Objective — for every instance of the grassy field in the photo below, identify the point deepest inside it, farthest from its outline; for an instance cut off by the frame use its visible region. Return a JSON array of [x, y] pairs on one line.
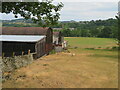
[[88, 63], [84, 42]]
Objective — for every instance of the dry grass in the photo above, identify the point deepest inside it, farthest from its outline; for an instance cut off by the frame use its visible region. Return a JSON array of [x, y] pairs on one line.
[[84, 69]]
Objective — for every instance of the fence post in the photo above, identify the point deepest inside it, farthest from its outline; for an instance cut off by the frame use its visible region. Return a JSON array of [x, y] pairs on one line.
[[3, 54], [29, 51], [22, 52], [13, 54]]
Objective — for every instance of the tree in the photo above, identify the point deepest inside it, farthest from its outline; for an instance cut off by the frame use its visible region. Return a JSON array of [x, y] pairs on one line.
[[106, 32], [66, 33], [114, 31], [118, 36], [95, 32], [85, 33], [42, 13]]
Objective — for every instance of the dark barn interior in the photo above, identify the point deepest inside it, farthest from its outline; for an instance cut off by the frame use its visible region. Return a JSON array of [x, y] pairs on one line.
[[17, 48]]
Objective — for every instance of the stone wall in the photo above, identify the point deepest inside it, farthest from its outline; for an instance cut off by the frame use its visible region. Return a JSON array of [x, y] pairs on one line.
[[11, 63], [58, 48], [0, 73]]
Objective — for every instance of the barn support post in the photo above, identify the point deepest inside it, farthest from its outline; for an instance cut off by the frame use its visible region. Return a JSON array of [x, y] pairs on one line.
[[13, 54], [3, 54], [22, 53], [28, 51]]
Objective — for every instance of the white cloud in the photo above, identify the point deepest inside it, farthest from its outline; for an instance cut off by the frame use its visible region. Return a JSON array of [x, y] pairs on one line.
[[86, 0], [10, 16], [88, 10], [89, 16]]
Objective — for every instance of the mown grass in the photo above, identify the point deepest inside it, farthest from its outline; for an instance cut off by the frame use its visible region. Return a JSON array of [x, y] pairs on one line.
[[84, 42], [101, 47]]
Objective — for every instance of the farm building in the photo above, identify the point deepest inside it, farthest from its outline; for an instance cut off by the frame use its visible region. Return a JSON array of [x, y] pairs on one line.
[[48, 32], [22, 44], [57, 38], [57, 41]]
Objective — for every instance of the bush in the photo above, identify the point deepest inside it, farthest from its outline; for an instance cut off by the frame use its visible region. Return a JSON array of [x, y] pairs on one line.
[[115, 48], [52, 52], [75, 47]]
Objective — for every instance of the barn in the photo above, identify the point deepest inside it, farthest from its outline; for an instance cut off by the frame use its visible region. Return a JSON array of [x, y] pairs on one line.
[[48, 32], [23, 44]]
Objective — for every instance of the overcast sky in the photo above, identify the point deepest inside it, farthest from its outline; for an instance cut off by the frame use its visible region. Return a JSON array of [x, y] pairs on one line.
[[85, 0], [83, 10], [89, 10]]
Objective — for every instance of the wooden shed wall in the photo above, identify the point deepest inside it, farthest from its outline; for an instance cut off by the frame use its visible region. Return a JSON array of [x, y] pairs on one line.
[[40, 48], [49, 41]]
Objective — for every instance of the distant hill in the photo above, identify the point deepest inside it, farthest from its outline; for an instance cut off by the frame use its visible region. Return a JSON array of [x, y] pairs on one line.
[[70, 24], [18, 23], [17, 20], [28, 21]]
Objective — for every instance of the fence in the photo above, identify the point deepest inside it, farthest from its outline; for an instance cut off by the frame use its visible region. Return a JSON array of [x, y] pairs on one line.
[[9, 54]]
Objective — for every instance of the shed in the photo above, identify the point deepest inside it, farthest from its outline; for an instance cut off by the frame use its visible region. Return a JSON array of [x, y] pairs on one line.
[[48, 32], [23, 43]]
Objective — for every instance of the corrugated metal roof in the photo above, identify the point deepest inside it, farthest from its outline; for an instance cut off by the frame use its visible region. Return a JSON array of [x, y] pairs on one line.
[[21, 38], [25, 30]]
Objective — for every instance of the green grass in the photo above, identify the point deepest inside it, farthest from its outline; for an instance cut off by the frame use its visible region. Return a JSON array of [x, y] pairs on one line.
[[84, 42], [100, 47]]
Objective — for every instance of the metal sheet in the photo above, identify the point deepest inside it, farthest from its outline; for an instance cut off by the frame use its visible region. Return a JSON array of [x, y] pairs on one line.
[[21, 38]]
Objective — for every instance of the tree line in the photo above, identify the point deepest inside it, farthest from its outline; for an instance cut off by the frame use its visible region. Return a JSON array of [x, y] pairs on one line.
[[99, 28]]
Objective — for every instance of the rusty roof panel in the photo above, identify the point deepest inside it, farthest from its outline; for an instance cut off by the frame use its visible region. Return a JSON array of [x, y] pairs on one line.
[[24, 30]]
